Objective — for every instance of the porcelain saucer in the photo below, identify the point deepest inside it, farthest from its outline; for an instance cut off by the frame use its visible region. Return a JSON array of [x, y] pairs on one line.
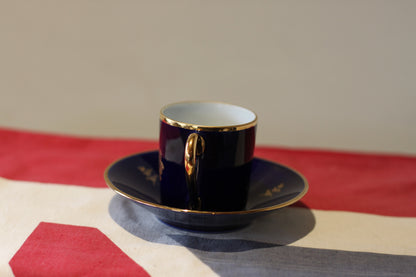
[[272, 186]]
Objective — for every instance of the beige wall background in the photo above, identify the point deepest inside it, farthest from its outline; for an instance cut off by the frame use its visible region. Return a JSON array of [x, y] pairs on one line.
[[320, 74]]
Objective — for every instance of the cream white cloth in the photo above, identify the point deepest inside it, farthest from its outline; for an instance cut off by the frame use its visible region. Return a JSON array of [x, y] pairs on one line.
[[161, 250]]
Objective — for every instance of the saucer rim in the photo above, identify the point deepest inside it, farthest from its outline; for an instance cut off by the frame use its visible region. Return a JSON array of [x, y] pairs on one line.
[[188, 211]]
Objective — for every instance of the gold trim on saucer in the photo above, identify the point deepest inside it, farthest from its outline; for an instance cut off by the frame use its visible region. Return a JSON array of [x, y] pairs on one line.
[[197, 127], [160, 206]]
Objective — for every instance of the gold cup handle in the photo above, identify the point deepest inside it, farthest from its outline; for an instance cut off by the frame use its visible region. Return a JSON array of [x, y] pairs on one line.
[[194, 148]]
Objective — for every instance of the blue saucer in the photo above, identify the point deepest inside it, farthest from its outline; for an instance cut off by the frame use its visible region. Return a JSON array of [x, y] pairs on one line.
[[272, 186]]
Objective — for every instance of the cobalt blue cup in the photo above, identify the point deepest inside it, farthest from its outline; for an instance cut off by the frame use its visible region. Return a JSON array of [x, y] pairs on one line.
[[205, 154]]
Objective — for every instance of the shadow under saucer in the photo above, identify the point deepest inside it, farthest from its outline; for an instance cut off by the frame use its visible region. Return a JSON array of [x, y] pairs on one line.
[[263, 248], [282, 227]]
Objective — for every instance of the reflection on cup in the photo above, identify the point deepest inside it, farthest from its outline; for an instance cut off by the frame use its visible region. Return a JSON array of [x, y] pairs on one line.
[[205, 153]]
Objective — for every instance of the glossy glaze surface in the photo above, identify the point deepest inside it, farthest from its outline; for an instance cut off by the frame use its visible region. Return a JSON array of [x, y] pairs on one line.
[[223, 168], [271, 187], [208, 116]]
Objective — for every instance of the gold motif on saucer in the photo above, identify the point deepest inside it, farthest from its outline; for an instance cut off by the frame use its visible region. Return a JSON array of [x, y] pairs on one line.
[[274, 190], [149, 173]]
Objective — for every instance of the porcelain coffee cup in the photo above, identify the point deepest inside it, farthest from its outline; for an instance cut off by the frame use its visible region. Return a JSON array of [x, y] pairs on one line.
[[205, 155]]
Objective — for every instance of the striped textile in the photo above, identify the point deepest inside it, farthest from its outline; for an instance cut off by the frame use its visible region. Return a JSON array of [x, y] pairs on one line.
[[58, 218]]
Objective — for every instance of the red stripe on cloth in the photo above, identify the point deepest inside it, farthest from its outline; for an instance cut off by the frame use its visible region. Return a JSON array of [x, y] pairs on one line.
[[67, 250], [62, 159], [357, 182], [370, 183]]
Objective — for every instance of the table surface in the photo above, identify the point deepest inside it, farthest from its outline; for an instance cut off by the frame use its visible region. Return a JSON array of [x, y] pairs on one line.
[[58, 218]]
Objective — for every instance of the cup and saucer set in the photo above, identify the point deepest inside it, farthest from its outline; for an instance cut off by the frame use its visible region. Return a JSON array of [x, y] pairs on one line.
[[204, 175]]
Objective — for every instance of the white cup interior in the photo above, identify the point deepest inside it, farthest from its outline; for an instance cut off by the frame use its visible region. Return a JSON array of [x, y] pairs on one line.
[[208, 114]]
